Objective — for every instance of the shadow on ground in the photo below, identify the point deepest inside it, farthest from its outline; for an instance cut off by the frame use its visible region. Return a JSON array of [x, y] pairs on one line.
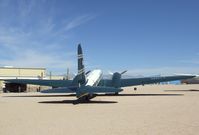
[[71, 95], [192, 90], [141, 95], [73, 101], [101, 95]]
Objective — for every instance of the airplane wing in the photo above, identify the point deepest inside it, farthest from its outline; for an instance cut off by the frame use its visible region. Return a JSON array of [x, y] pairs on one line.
[[144, 80], [60, 90], [53, 83], [105, 82], [151, 80]]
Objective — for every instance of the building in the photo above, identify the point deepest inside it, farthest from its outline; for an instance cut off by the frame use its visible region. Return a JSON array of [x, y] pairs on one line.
[[20, 73]]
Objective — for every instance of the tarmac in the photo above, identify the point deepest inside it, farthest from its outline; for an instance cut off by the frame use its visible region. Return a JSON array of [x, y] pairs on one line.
[[151, 110]]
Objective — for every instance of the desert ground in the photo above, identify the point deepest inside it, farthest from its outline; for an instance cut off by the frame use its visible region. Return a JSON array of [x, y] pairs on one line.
[[151, 110]]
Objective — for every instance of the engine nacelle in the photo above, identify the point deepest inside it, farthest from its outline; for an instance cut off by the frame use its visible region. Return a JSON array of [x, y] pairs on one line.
[[116, 80]]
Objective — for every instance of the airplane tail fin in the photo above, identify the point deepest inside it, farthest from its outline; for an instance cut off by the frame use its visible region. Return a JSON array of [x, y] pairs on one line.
[[81, 71], [80, 77]]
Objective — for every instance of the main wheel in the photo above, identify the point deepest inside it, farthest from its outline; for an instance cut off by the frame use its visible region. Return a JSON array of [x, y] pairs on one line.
[[116, 93]]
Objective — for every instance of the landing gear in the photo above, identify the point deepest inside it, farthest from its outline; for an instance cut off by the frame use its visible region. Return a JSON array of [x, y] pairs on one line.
[[84, 99], [135, 88], [116, 93], [81, 100]]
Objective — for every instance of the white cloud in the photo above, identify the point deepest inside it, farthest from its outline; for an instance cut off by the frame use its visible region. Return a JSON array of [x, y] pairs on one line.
[[163, 71], [78, 21], [191, 61], [40, 44], [35, 59], [26, 7], [26, 50]]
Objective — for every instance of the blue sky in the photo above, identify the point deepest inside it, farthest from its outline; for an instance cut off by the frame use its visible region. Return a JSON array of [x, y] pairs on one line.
[[146, 37]]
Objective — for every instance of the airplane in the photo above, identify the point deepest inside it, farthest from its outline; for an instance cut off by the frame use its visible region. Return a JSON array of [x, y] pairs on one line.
[[87, 85], [194, 80]]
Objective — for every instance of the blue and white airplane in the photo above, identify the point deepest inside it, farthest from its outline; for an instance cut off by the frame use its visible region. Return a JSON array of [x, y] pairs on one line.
[[87, 85]]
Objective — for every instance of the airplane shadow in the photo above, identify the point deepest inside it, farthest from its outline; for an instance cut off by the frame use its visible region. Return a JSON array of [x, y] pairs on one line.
[[71, 95], [141, 95], [101, 95], [91, 101], [73, 101], [191, 90], [103, 102]]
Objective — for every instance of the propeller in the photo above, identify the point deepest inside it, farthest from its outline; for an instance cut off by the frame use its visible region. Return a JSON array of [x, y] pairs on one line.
[[111, 73], [88, 72], [116, 79], [123, 72]]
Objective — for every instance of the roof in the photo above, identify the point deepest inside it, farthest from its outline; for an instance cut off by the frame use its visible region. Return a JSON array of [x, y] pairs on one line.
[[9, 67]]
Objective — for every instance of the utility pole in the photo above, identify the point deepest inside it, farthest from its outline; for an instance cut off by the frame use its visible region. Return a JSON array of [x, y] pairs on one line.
[[67, 76], [50, 75]]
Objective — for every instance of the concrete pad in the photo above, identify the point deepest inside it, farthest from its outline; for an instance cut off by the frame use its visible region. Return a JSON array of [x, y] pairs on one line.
[[151, 110]]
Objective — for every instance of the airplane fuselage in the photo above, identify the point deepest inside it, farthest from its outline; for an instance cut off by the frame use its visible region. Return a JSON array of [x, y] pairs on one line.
[[94, 78]]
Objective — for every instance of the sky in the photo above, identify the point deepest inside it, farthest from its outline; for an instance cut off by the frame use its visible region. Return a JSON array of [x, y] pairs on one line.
[[145, 37]]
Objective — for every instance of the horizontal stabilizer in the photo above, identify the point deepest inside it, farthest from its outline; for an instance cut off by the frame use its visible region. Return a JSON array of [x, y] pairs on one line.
[[99, 89], [58, 90]]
